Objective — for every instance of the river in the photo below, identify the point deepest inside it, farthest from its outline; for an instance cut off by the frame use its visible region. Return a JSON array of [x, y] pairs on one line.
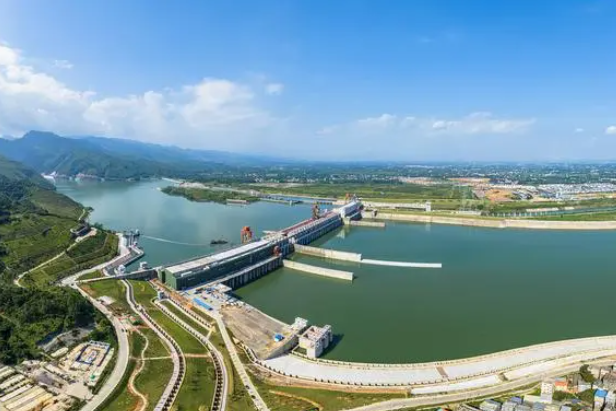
[[498, 289]]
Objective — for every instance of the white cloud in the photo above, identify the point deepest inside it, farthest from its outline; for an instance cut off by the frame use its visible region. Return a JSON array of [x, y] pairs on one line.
[[382, 121], [482, 123], [195, 115], [474, 123], [610, 130], [578, 130], [274, 89], [63, 64]]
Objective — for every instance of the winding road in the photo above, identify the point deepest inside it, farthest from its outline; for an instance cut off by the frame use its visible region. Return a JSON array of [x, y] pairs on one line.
[[122, 360], [219, 402]]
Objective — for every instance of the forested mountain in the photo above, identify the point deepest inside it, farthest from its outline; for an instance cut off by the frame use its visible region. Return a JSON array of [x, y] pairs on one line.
[[115, 158], [35, 223]]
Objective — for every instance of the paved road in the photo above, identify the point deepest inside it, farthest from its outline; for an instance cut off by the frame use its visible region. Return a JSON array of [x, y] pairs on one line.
[[239, 366], [425, 401], [177, 356], [204, 340], [17, 280], [77, 241], [122, 360]]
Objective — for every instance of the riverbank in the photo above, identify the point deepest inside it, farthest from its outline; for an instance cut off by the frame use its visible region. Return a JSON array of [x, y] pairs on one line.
[[206, 195], [496, 222]]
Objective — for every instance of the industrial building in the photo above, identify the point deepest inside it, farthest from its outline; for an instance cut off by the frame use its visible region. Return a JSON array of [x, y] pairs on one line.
[[315, 340], [194, 272], [254, 258]]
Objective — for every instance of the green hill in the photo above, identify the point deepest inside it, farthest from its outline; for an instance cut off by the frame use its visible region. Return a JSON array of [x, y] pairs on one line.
[[116, 159], [35, 223]]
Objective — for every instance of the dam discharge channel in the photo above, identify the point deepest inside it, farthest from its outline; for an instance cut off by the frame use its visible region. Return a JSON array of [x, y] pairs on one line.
[[498, 289]]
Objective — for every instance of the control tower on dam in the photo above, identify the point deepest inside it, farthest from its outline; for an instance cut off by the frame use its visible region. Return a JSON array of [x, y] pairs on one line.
[[247, 262]]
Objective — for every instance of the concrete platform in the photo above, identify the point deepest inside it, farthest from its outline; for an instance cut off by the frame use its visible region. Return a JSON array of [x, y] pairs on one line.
[[255, 329], [322, 271]]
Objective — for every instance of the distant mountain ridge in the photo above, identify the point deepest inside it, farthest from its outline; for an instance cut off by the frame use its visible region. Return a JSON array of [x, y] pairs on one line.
[[116, 159]]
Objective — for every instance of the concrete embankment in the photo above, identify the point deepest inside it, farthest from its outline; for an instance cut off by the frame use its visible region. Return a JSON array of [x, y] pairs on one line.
[[354, 257], [362, 223], [325, 272], [498, 223], [327, 253], [402, 264]]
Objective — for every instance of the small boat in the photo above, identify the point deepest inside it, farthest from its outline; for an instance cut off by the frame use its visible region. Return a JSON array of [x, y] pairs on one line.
[[218, 242]]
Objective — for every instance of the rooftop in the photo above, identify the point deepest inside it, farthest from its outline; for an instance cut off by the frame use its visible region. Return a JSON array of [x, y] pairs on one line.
[[199, 263], [314, 333]]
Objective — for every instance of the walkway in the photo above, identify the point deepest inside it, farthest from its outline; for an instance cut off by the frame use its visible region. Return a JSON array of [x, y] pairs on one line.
[[179, 364], [131, 381], [121, 363], [239, 366], [486, 392], [219, 402], [447, 376]]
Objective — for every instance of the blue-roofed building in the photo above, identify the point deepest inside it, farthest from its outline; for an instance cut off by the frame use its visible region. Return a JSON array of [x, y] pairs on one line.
[[600, 393]]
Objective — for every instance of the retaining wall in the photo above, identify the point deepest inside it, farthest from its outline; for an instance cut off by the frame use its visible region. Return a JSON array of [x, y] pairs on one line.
[[359, 223], [325, 272], [499, 223], [327, 253]]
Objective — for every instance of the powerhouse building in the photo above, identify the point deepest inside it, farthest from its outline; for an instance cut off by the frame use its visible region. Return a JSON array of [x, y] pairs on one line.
[[240, 264]]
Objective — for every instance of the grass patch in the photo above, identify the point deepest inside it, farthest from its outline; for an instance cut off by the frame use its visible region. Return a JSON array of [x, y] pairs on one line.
[[281, 398], [206, 195], [194, 324], [188, 343], [121, 399], [197, 390], [156, 348], [88, 253], [92, 275], [153, 379], [375, 190], [56, 204], [143, 295], [32, 239], [110, 288]]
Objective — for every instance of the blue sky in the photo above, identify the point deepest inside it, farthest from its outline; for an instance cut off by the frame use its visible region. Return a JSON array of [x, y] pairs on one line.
[[400, 80]]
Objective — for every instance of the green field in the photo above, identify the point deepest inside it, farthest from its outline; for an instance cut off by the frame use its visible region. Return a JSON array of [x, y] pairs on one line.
[[143, 295], [57, 205], [121, 399], [197, 390], [205, 195], [33, 239], [185, 317], [376, 191], [110, 288], [92, 275], [156, 348], [153, 379], [88, 253], [283, 398]]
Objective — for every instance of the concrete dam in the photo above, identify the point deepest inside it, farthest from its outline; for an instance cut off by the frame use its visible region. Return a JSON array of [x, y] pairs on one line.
[[242, 264]]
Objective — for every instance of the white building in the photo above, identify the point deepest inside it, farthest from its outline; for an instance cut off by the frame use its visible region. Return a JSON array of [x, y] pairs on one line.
[[490, 405], [299, 325], [547, 391], [315, 340]]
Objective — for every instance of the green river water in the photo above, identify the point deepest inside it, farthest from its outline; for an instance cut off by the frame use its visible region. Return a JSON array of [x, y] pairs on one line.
[[498, 289]]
